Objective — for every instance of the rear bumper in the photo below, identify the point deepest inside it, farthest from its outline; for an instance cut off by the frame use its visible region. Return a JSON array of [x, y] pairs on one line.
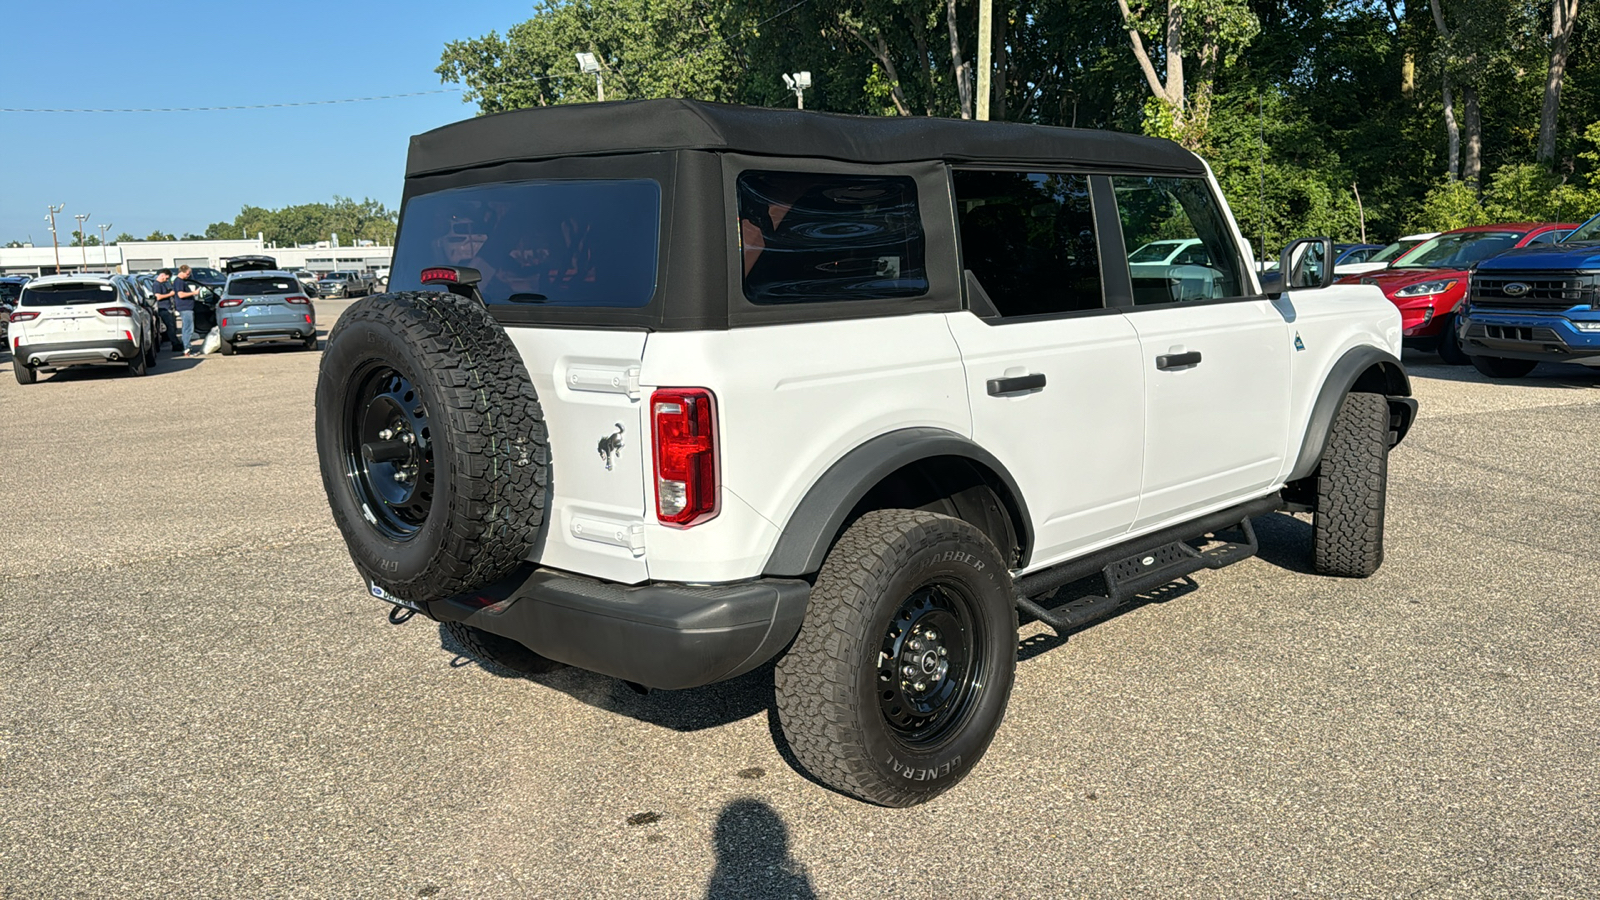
[[75, 353], [1547, 337], [268, 331], [659, 635]]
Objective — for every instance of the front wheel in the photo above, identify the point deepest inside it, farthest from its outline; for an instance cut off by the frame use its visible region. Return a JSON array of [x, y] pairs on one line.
[[1450, 351], [1499, 367], [901, 672], [1352, 487]]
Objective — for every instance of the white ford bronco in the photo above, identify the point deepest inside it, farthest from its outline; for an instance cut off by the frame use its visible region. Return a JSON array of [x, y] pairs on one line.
[[667, 390]]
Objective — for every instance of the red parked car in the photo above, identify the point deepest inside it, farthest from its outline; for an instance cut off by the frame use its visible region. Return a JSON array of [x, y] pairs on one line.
[[1431, 281]]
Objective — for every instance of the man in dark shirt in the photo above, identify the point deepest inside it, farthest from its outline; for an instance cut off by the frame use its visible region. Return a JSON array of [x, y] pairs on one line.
[[184, 292], [164, 293]]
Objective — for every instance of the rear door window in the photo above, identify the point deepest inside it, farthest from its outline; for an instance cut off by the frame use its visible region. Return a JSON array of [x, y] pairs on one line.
[[1029, 240], [549, 242], [817, 238]]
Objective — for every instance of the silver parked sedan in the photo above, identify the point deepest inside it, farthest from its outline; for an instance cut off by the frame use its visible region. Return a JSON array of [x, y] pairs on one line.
[[265, 306]]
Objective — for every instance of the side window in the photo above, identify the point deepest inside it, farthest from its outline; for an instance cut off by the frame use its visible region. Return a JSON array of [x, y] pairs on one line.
[[1549, 237], [817, 238], [1028, 238], [1158, 213]]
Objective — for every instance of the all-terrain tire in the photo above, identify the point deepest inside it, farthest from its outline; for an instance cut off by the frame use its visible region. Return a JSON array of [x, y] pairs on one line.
[[1352, 484], [863, 651], [1500, 367], [502, 651], [481, 449]]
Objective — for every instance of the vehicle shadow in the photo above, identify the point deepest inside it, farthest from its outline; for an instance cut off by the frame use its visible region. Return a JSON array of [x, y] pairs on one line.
[[1552, 375], [753, 858], [693, 709]]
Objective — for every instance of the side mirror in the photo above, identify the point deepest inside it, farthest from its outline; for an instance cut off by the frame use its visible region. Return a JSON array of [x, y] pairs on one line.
[[1307, 263]]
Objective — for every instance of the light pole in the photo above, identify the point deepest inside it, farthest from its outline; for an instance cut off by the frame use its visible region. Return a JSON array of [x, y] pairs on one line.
[[798, 82], [588, 65], [81, 244], [104, 261], [51, 218]]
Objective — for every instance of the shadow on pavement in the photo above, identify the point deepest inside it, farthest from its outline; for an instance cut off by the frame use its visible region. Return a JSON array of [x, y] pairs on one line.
[[1551, 375], [753, 860], [688, 710]]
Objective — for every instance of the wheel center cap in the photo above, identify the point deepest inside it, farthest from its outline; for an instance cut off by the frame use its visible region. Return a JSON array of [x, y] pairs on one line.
[[930, 662]]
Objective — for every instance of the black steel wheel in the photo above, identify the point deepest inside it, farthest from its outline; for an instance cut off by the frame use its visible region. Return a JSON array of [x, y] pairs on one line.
[[432, 444], [903, 667]]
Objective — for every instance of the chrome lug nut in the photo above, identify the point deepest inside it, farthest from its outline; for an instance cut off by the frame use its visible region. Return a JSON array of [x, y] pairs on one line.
[[914, 644], [408, 438], [919, 686], [931, 635], [400, 476], [386, 434], [908, 670]]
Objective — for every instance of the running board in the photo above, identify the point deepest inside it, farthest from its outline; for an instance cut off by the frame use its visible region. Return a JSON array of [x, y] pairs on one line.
[[1166, 557]]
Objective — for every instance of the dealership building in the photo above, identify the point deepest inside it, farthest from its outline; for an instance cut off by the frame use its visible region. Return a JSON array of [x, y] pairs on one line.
[[147, 256]]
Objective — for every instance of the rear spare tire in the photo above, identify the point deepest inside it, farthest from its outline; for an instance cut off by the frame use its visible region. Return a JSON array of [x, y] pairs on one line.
[[433, 447]]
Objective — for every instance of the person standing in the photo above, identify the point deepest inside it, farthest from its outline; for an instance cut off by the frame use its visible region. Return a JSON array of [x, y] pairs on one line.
[[184, 292], [164, 294]]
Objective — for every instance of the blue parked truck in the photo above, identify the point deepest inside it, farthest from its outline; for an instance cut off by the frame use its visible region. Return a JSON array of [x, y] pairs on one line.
[[1537, 304]]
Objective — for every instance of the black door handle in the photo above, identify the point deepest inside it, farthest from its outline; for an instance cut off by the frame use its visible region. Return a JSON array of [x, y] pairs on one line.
[[1016, 385], [1178, 360]]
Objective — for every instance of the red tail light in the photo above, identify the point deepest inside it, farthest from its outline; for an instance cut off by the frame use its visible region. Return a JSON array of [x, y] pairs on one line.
[[115, 311], [298, 300], [23, 316], [685, 426], [231, 301], [440, 273]]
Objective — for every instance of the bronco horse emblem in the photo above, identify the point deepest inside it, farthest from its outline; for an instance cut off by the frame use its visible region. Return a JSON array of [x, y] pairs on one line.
[[611, 446]]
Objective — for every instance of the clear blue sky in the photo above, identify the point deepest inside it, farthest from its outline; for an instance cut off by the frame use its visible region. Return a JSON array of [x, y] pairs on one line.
[[182, 171]]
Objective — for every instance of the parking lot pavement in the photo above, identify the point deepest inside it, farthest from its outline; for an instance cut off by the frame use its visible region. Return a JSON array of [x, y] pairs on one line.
[[198, 699]]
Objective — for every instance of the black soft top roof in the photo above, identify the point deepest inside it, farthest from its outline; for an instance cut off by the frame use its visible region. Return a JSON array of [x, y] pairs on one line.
[[642, 126]]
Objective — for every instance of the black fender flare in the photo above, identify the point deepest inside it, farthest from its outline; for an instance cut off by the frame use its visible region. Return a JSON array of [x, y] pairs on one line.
[[809, 534], [1366, 369]]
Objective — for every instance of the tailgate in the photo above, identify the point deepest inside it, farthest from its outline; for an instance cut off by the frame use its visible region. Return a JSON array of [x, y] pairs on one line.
[[587, 381]]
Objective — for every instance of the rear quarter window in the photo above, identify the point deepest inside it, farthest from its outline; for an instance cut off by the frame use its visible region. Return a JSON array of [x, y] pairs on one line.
[[585, 243]]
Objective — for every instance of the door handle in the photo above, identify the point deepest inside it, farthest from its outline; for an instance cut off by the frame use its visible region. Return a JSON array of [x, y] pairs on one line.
[[1178, 360], [999, 387]]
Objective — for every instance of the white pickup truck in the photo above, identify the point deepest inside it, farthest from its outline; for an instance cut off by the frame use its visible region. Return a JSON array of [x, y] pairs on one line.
[[668, 390]]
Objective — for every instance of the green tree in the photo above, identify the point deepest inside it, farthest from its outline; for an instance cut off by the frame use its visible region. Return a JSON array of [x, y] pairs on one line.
[[124, 236], [159, 236]]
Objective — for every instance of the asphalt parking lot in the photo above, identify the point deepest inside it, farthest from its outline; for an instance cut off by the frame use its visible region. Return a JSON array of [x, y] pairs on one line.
[[198, 699]]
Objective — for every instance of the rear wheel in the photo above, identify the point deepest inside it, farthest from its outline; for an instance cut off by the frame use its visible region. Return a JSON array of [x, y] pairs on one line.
[[310, 342], [1352, 487], [24, 372], [138, 365], [901, 672], [226, 348], [150, 352], [501, 651], [1500, 367]]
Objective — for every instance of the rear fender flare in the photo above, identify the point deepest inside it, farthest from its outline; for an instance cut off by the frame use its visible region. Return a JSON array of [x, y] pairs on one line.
[[821, 516]]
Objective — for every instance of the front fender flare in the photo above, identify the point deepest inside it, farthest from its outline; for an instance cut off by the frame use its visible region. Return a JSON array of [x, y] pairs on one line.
[[809, 534], [1367, 369]]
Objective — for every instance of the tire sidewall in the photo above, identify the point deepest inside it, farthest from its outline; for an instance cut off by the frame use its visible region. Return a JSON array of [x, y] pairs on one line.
[[391, 564], [977, 569]]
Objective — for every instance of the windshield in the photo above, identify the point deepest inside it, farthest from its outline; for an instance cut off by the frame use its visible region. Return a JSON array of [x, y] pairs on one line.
[[1156, 252], [561, 243], [67, 294], [261, 287], [1392, 252], [9, 291], [1459, 251], [1588, 231]]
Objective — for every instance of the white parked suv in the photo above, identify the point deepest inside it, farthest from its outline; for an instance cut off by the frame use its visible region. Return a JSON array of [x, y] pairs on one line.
[[62, 321], [668, 390]]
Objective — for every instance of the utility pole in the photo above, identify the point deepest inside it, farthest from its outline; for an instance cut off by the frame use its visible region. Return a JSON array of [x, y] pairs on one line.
[[51, 218], [82, 245], [104, 260], [985, 49]]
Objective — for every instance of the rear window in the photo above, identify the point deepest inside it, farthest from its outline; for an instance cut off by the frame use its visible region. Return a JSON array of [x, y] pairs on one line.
[[809, 238], [10, 291], [261, 287], [554, 243], [67, 294]]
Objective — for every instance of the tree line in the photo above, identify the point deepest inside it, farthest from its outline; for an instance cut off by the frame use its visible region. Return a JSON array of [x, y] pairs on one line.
[[1356, 119], [304, 223]]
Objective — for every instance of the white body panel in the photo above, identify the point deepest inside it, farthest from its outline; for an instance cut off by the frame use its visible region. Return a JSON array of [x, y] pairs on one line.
[[1076, 447]]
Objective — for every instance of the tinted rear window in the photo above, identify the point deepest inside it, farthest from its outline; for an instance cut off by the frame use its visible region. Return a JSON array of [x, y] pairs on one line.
[[807, 237], [555, 243], [68, 294], [261, 287]]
